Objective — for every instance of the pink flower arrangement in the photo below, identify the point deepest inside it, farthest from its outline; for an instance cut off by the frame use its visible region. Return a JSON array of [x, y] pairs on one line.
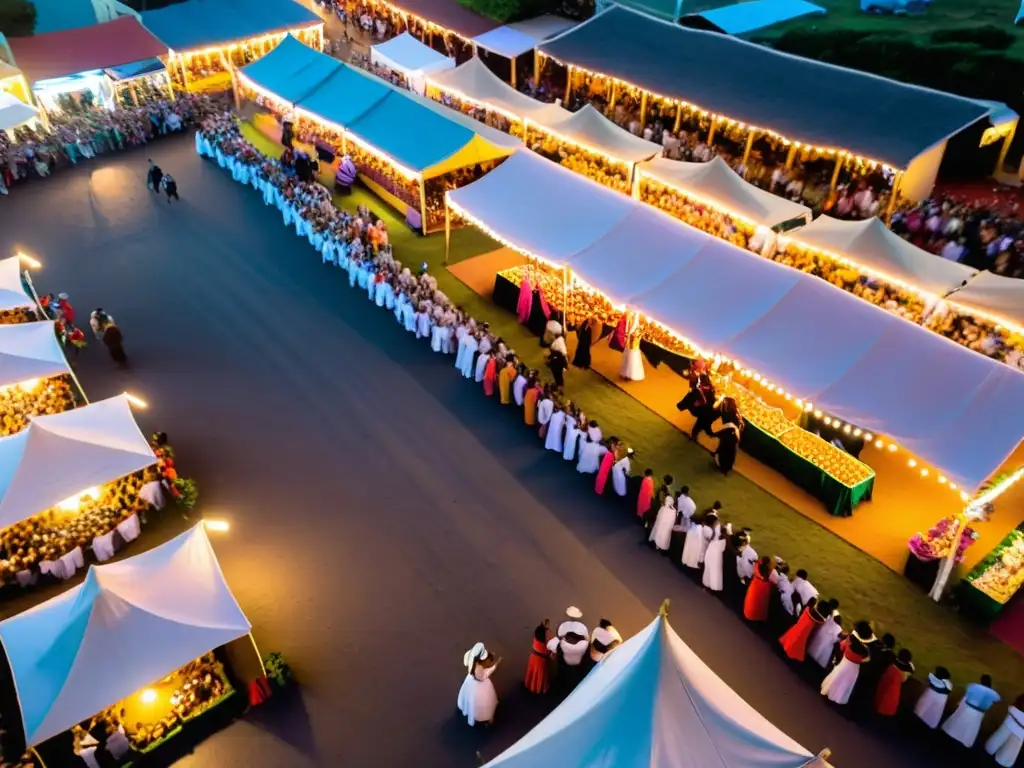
[[936, 543]]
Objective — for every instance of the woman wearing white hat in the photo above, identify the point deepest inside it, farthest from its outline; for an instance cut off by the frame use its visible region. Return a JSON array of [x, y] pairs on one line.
[[477, 697]]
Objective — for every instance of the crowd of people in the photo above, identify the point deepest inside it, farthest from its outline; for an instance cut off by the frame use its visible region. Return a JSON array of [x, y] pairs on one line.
[[854, 667], [72, 136]]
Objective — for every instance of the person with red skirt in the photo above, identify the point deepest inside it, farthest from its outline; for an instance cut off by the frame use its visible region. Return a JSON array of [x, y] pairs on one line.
[[490, 375], [890, 686], [755, 605], [794, 641], [538, 668], [607, 461]]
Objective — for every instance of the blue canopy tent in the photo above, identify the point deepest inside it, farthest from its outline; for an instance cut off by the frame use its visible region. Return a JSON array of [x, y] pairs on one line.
[[817, 341], [291, 71], [751, 16], [344, 96], [198, 24]]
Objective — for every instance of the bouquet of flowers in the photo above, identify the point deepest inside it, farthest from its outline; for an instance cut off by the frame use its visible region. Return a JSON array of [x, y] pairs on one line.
[[936, 544]]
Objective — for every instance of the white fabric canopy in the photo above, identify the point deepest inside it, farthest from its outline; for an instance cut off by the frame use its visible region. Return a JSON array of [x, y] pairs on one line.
[[14, 111], [59, 456], [719, 185], [30, 351], [515, 39], [474, 81], [850, 358], [1002, 297], [592, 130], [873, 245], [652, 703], [12, 292], [412, 58], [126, 626]]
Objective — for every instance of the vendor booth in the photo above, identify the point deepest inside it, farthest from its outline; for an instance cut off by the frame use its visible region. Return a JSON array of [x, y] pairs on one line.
[[35, 379], [998, 298], [517, 42], [139, 83], [67, 67], [16, 305], [407, 149], [648, 701], [411, 59], [721, 86], [207, 38], [785, 345], [14, 111], [127, 653], [712, 197]]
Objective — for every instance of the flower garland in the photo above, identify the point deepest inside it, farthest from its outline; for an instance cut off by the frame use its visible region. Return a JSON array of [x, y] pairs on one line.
[[183, 489]]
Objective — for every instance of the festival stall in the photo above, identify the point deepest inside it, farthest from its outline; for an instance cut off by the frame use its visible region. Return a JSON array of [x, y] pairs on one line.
[[650, 700], [35, 378], [712, 197], [208, 38], [444, 25], [16, 305], [997, 298], [142, 82], [411, 59], [790, 341], [12, 80], [14, 111], [127, 652], [66, 68], [728, 88], [518, 39], [408, 150]]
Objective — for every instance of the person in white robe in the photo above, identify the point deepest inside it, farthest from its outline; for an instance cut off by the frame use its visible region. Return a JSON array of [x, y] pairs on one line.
[[556, 431], [477, 699], [545, 409], [685, 506], [371, 281], [573, 622], [661, 531], [380, 291], [481, 366], [460, 348], [823, 642], [620, 474], [604, 639], [591, 453], [447, 335], [389, 296], [400, 301], [409, 318], [468, 355], [746, 559], [435, 336], [572, 437], [931, 704], [594, 432], [838, 685], [1005, 743], [423, 323], [965, 722], [692, 547], [519, 387], [714, 560]]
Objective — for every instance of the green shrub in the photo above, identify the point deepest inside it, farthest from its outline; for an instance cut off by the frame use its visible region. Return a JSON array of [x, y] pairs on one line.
[[988, 37], [511, 10]]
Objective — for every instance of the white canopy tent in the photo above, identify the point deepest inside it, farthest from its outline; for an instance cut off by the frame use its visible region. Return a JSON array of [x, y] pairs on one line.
[[589, 129], [987, 293], [716, 184], [871, 244], [474, 82], [815, 340], [652, 703], [30, 351], [412, 58], [126, 626], [513, 40], [14, 111], [12, 291], [59, 456]]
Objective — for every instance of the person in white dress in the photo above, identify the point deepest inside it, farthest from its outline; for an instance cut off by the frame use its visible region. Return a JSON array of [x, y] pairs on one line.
[[965, 722], [693, 548], [838, 686], [823, 641], [661, 531], [481, 366], [620, 474], [931, 704], [556, 431], [469, 347], [478, 700], [591, 453], [714, 560], [1005, 743], [572, 435], [632, 367]]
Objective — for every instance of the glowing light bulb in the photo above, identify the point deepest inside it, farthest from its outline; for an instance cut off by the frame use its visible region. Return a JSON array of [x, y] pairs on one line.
[[892, 447], [879, 444], [924, 473], [868, 436], [817, 414], [964, 496], [857, 432], [912, 463], [828, 421], [846, 429], [148, 696], [942, 480]]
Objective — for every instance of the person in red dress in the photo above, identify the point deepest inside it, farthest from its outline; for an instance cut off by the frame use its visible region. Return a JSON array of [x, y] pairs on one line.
[[490, 376], [538, 668], [890, 686], [646, 497], [607, 462], [794, 641], [755, 606]]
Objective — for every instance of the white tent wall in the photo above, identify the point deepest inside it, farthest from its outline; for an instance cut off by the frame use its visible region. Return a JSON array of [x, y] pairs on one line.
[[12, 291], [918, 180], [30, 351], [412, 58]]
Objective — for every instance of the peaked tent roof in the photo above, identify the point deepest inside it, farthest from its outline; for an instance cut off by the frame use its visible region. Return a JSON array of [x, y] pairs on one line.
[[8, 70], [59, 54], [14, 111], [200, 24], [449, 14], [677, 275], [12, 291], [506, 41], [652, 703], [408, 54], [993, 294], [741, 18], [127, 625], [872, 244], [590, 128], [61, 455], [30, 351], [878, 118], [475, 81], [344, 96], [720, 185], [292, 70]]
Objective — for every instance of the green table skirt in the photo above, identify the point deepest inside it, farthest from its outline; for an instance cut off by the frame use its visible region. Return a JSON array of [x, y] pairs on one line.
[[976, 604], [839, 499]]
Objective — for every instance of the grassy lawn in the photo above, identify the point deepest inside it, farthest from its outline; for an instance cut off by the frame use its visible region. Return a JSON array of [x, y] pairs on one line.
[[865, 587]]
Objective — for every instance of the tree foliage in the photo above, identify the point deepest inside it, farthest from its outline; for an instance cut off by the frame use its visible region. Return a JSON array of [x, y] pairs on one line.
[[17, 18], [509, 10]]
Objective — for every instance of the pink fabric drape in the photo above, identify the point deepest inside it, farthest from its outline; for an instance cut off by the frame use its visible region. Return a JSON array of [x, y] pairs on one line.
[[525, 303], [544, 304], [618, 338]]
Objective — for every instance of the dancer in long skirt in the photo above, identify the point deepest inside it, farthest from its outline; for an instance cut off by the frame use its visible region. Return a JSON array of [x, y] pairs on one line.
[[965, 722], [931, 704], [794, 641], [1004, 745], [840, 682], [538, 668], [478, 700]]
